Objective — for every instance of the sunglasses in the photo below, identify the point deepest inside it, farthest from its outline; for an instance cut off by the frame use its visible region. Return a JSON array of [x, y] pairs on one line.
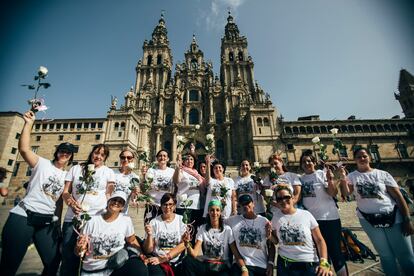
[[283, 198], [126, 157], [65, 152]]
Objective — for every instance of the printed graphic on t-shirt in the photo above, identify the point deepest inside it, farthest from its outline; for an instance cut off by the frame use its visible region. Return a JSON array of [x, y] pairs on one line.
[[368, 190], [103, 244], [53, 187], [250, 237], [90, 188], [168, 240], [308, 190], [245, 188], [122, 186], [213, 248], [193, 183], [292, 234], [162, 183]]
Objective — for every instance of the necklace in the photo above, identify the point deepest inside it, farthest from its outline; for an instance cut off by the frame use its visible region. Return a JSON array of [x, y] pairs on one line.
[[245, 222]]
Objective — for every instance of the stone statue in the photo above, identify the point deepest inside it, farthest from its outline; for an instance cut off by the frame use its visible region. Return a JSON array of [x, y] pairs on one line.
[[114, 101]]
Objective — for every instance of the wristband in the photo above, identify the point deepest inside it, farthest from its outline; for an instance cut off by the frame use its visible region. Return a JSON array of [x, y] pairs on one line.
[[324, 263], [271, 263], [244, 269]]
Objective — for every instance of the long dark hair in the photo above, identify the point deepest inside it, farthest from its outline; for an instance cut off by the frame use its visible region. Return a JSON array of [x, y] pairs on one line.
[[55, 156], [307, 153], [89, 161]]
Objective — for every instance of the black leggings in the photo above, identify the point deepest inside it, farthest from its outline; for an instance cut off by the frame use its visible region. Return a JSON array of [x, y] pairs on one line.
[[194, 267], [331, 232], [17, 236]]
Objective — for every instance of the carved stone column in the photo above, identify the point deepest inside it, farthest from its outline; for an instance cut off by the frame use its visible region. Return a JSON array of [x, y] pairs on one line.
[[174, 144], [158, 132], [228, 145]]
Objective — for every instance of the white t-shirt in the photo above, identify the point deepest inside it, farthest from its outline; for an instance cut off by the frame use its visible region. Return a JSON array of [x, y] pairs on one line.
[[189, 185], [370, 189], [215, 244], [106, 239], [95, 198], [123, 183], [245, 185], [295, 236], [250, 237], [167, 235], [315, 197], [213, 192], [161, 184], [45, 187]]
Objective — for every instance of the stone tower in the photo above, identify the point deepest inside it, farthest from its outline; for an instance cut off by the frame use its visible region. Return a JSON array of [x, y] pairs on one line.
[[406, 93]]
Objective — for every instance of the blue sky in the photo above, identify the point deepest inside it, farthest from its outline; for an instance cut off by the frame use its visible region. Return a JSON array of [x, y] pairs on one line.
[[334, 58]]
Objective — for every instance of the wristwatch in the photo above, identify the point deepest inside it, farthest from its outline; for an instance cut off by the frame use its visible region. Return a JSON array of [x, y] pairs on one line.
[[244, 269]]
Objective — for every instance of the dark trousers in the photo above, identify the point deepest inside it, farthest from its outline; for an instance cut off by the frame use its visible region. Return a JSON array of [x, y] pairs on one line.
[[134, 266], [194, 267], [70, 262], [331, 232], [295, 268], [253, 270], [17, 236]]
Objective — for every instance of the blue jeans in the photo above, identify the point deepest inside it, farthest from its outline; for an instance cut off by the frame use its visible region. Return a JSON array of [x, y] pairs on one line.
[[391, 244], [70, 262]]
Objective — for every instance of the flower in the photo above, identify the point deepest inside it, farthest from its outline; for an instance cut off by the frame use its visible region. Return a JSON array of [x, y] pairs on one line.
[[131, 165], [256, 164], [85, 207], [316, 140], [180, 138], [91, 167], [197, 126], [183, 197], [268, 192], [149, 176], [334, 131], [210, 137], [42, 71]]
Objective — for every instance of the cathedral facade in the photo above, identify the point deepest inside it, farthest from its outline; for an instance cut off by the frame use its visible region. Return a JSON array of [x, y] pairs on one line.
[[195, 102]]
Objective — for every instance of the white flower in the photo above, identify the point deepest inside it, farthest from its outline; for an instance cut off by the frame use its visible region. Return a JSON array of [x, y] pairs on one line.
[[183, 197], [131, 165], [273, 170], [42, 71], [334, 131], [210, 137], [180, 138], [149, 175], [85, 207], [91, 167], [145, 149], [256, 164], [197, 126], [316, 140], [268, 192]]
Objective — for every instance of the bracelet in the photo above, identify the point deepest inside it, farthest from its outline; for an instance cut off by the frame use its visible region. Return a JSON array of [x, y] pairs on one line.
[[324, 263], [188, 245], [271, 263], [244, 269]]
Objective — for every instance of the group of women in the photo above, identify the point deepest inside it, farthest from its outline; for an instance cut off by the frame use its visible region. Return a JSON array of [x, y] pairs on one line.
[[227, 232]]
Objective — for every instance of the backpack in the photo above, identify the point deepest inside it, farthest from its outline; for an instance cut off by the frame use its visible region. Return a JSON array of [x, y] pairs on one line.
[[353, 249]]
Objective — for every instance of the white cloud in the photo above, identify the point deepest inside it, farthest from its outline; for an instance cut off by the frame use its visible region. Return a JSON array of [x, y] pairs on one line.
[[215, 17]]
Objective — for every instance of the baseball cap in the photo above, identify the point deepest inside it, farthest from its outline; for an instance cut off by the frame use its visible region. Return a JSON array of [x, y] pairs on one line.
[[119, 194], [245, 199], [66, 147]]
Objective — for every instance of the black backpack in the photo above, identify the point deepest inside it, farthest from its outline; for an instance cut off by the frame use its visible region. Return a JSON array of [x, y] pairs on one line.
[[353, 249]]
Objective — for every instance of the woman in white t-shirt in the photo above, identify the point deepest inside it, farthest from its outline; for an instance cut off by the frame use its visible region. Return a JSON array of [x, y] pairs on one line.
[[125, 178], [295, 232], [220, 187], [214, 240], [37, 216], [104, 235], [377, 194], [189, 182], [161, 177], [87, 189], [244, 184], [318, 192], [163, 238]]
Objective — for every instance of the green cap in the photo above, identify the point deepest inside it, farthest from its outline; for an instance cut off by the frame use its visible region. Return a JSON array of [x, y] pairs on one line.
[[215, 202]]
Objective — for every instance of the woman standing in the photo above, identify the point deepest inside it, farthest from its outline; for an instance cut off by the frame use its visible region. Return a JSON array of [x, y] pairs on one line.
[[220, 187], [107, 234], [188, 181], [295, 232], [244, 184], [34, 218], [124, 176], [163, 238], [81, 196], [318, 191], [382, 212], [214, 239]]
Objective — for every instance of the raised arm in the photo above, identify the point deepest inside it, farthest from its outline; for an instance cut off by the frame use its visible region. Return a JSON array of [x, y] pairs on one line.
[[346, 189], [24, 143], [208, 169], [332, 190]]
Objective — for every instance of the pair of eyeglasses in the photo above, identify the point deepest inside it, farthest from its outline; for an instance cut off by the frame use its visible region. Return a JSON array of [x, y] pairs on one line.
[[283, 198], [126, 157]]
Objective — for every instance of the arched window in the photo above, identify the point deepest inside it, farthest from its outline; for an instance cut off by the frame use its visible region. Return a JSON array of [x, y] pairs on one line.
[[288, 130], [240, 56], [220, 149], [309, 129], [123, 126], [116, 126], [266, 122], [167, 146], [194, 118], [168, 119], [194, 96], [231, 56], [219, 118], [149, 60], [159, 59], [259, 122]]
